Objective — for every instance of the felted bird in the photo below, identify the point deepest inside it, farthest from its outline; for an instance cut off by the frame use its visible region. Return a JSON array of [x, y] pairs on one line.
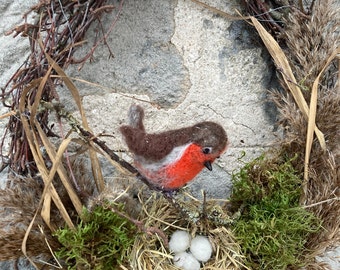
[[170, 159]]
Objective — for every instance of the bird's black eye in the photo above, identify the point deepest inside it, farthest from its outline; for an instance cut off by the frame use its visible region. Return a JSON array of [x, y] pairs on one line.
[[207, 150]]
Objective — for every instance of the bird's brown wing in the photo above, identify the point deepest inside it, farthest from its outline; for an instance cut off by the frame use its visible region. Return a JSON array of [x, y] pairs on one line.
[[154, 147]]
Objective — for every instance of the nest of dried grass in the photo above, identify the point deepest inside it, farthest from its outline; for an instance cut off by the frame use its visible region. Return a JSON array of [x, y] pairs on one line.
[[150, 251]]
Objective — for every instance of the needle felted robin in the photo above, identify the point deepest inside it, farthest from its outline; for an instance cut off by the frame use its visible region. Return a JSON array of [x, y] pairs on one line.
[[170, 159]]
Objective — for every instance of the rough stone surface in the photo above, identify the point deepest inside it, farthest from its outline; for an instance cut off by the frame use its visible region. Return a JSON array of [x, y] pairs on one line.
[[145, 61], [332, 257], [13, 50], [183, 64]]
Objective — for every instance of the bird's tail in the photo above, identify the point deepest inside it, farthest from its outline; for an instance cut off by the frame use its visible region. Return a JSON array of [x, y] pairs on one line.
[[136, 116]]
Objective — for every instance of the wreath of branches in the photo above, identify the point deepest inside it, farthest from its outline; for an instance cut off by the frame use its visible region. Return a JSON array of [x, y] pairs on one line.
[[61, 27]]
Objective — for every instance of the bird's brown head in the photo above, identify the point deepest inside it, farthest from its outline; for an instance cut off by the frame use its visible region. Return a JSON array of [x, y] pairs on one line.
[[211, 137]]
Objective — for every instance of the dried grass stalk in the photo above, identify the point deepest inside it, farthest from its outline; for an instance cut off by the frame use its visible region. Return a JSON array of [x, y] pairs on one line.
[[284, 67], [312, 116]]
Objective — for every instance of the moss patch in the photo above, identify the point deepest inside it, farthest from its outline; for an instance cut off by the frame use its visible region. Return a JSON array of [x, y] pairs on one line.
[[272, 228], [100, 241]]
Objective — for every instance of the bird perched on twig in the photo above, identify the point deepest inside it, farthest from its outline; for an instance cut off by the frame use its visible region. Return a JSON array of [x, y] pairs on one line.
[[170, 159]]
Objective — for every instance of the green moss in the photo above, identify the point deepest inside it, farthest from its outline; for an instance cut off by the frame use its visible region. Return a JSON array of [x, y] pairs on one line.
[[100, 241], [272, 228]]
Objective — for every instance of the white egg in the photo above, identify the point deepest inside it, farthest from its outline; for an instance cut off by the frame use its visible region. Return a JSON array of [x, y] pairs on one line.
[[186, 261], [179, 241], [201, 248]]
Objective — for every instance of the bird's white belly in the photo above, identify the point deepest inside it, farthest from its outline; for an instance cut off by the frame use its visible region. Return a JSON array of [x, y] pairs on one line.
[[171, 158]]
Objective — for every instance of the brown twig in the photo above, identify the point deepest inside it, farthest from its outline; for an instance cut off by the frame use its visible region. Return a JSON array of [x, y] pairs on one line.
[[272, 14]]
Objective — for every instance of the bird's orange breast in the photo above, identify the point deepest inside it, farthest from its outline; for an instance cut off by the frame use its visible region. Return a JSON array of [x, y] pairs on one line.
[[177, 174]]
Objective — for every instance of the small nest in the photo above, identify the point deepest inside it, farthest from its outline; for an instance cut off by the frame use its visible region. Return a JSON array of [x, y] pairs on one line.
[[160, 216]]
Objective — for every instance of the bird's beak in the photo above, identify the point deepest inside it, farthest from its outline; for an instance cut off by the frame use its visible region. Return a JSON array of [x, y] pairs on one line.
[[208, 165]]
